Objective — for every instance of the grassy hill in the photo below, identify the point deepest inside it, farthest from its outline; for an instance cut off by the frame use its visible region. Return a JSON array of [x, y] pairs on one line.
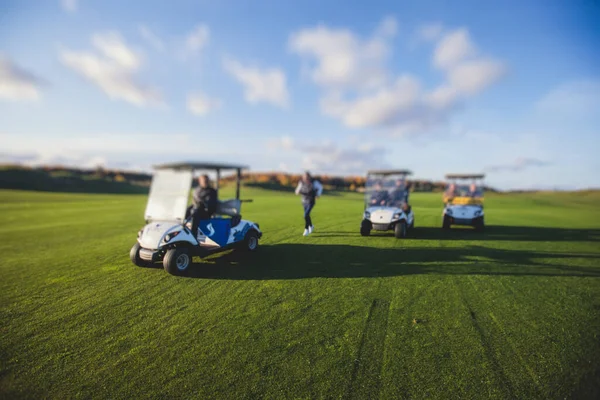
[[510, 313]]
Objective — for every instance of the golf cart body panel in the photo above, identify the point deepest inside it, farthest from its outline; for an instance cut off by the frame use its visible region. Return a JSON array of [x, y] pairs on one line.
[[386, 201], [168, 232], [463, 200]]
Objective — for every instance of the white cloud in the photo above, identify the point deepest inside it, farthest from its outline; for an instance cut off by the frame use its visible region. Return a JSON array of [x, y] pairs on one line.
[[69, 5], [260, 85], [430, 32], [16, 83], [328, 157], [472, 77], [578, 98], [201, 104], [388, 27], [518, 165], [358, 89], [151, 38], [113, 71], [453, 48], [344, 60], [197, 39]]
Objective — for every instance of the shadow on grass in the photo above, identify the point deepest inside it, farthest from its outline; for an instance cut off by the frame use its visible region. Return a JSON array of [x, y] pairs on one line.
[[299, 261], [499, 232]]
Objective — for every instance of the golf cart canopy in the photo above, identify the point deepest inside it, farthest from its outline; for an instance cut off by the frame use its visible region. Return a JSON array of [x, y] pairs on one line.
[[465, 176], [194, 166], [385, 172]]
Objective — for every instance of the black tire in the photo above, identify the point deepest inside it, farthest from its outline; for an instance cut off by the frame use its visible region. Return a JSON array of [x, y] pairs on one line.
[[400, 230], [446, 224], [177, 261], [479, 225], [134, 255], [365, 228], [250, 243]]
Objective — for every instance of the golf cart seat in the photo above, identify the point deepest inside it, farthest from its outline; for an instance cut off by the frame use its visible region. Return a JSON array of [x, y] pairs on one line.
[[230, 208]]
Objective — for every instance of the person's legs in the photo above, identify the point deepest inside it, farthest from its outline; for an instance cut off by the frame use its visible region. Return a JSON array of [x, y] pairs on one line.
[[307, 209], [198, 216]]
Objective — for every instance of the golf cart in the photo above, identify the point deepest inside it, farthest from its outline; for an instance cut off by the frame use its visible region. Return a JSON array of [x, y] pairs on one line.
[[463, 201], [167, 236], [386, 203]]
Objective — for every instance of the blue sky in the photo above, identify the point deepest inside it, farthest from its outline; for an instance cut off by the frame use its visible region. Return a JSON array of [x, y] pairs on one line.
[[508, 88]]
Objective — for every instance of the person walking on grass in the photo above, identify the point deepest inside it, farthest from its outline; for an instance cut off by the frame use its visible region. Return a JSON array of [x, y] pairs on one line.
[[310, 189]]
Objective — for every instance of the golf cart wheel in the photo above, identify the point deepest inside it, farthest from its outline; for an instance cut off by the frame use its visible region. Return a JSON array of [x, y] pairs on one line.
[[400, 230], [177, 261], [479, 225], [250, 241], [446, 224], [365, 228], [134, 254]]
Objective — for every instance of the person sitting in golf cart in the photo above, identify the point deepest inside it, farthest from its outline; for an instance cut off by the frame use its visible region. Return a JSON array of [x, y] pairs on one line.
[[204, 202], [399, 196], [474, 191], [379, 196]]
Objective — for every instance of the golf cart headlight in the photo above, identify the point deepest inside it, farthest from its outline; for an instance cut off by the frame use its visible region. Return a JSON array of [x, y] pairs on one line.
[[171, 235], [477, 212], [367, 214], [397, 215]]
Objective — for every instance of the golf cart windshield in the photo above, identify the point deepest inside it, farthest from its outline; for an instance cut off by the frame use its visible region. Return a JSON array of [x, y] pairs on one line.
[[169, 195], [463, 193], [386, 190]]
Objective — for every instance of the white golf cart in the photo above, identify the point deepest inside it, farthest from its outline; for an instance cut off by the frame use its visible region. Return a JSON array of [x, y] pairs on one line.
[[167, 236], [463, 201], [386, 203]]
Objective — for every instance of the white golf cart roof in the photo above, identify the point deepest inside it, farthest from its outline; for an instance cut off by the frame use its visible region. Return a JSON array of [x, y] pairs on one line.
[[465, 176], [194, 166], [389, 172]]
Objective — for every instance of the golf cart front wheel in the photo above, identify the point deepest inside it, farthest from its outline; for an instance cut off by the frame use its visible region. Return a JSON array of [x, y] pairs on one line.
[[251, 241], [134, 255], [365, 228], [177, 261], [446, 223], [400, 230]]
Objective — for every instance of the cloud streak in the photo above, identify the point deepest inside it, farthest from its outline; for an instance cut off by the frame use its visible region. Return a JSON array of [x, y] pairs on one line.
[[113, 70], [16, 83]]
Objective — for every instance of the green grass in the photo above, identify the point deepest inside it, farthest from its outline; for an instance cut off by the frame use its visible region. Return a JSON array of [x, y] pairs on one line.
[[511, 313]]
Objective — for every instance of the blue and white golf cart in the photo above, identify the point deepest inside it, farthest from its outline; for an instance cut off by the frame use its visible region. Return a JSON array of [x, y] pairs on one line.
[[386, 203], [167, 236], [463, 201]]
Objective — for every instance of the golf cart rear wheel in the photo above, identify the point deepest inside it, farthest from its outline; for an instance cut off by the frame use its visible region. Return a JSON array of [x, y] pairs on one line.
[[251, 241], [365, 228], [177, 261], [400, 230], [134, 255]]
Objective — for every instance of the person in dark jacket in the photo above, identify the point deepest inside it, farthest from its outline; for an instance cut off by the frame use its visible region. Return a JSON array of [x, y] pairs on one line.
[[204, 202], [310, 189], [379, 196]]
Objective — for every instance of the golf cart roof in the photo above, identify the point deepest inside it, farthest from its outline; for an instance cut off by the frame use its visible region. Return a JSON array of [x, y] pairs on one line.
[[389, 172], [200, 165], [465, 176]]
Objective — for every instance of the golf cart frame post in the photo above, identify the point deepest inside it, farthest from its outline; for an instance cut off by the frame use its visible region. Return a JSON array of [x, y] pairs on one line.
[[462, 208]]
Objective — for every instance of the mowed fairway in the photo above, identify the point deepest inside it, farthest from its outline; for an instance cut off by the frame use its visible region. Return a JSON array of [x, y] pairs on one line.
[[510, 313]]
